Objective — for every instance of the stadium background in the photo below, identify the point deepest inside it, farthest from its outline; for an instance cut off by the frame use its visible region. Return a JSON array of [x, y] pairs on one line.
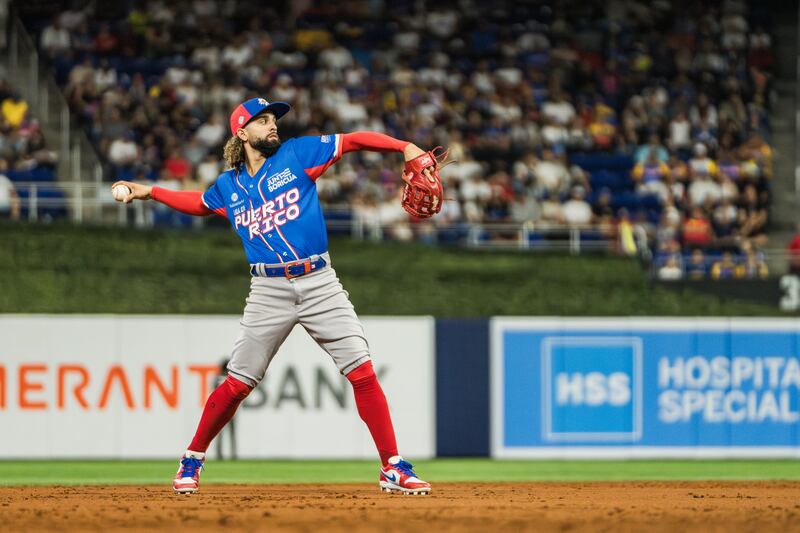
[[619, 160]]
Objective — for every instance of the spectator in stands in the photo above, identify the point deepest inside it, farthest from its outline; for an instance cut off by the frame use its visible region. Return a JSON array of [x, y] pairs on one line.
[[177, 167], [626, 235], [728, 163], [212, 133], [794, 252], [554, 133], [701, 164], [696, 267], [14, 110], [650, 175], [579, 138], [703, 114], [9, 200], [577, 211], [732, 113], [105, 76], [523, 171], [475, 194], [558, 109], [725, 222], [490, 94], [680, 133], [697, 230], [753, 266], [55, 40], [393, 218], [551, 208], [603, 127], [497, 209], [668, 232], [602, 210], [123, 151], [704, 190], [551, 174], [335, 58], [752, 217], [105, 43], [524, 208], [635, 120], [208, 170], [758, 150], [703, 172], [671, 270], [652, 148], [725, 268]]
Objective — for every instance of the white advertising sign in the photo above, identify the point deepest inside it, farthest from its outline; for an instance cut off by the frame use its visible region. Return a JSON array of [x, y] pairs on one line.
[[95, 386]]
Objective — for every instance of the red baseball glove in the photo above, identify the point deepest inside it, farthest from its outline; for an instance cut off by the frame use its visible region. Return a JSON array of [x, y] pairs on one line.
[[423, 192]]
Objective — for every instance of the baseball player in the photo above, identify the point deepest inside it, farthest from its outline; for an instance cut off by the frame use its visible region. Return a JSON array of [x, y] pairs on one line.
[[269, 196]]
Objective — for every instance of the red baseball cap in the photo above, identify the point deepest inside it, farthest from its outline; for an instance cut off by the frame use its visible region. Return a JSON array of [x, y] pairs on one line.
[[247, 111]]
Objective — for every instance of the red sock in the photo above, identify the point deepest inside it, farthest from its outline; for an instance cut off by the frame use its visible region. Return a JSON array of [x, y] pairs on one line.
[[373, 409], [219, 409]]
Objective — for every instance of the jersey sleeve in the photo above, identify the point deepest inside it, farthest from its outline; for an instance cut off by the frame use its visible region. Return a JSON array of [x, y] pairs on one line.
[[317, 153], [212, 199]]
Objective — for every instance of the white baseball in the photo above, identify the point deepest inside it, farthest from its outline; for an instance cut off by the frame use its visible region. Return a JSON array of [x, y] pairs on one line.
[[120, 192]]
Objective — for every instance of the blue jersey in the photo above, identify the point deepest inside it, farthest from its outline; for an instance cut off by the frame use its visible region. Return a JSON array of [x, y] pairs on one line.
[[276, 212]]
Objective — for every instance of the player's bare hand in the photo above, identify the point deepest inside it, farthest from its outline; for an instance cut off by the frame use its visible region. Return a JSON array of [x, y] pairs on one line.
[[412, 151], [138, 191]]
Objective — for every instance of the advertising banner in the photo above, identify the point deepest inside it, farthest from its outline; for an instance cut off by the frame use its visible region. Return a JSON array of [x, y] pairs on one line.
[[645, 388], [134, 387]]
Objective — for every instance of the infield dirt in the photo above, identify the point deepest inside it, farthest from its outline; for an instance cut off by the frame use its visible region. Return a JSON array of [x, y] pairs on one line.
[[651, 506]]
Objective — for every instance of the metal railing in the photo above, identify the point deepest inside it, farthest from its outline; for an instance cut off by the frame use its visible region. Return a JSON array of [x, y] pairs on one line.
[[92, 202]]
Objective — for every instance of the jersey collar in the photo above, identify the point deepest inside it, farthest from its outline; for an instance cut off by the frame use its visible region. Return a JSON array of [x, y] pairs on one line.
[[258, 172]]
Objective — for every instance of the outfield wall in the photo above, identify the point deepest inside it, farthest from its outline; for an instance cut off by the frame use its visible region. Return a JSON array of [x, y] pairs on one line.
[[133, 386], [645, 388]]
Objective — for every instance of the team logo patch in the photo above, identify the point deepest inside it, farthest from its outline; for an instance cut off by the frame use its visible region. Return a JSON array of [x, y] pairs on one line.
[[234, 197], [276, 181], [241, 120], [262, 101]]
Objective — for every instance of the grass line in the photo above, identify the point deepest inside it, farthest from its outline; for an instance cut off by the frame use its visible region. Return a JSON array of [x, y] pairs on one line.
[[13, 473]]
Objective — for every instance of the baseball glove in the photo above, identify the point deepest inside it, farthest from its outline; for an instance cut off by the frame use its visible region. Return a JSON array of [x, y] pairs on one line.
[[423, 192]]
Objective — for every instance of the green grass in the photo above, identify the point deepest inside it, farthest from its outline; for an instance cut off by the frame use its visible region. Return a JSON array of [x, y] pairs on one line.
[[66, 269], [438, 470]]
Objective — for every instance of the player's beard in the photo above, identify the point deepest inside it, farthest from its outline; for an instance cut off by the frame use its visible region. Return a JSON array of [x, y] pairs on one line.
[[266, 146]]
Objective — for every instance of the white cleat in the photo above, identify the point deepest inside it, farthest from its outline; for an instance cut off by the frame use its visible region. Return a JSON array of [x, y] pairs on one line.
[[397, 476], [187, 479]]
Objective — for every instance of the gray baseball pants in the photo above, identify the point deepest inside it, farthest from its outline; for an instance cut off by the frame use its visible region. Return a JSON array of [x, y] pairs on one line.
[[318, 302]]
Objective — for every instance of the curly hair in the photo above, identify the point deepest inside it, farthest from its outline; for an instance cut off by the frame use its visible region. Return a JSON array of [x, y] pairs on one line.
[[234, 153]]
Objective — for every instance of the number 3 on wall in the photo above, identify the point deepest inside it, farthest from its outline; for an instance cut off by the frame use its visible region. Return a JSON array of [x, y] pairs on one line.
[[790, 285]]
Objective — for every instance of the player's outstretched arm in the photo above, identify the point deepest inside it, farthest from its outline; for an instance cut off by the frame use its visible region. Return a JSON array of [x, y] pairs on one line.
[[189, 202], [379, 142]]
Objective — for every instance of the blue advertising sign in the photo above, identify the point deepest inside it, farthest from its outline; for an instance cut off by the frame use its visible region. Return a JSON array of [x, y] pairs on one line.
[[594, 388]]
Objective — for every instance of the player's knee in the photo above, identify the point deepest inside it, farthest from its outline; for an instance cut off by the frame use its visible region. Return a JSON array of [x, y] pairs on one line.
[[238, 389], [362, 372]]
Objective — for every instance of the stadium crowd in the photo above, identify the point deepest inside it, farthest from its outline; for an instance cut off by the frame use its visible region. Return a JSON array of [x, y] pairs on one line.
[[24, 155], [565, 113]]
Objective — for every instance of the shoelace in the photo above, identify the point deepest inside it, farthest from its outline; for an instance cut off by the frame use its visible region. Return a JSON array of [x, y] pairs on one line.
[[190, 466], [406, 468]]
